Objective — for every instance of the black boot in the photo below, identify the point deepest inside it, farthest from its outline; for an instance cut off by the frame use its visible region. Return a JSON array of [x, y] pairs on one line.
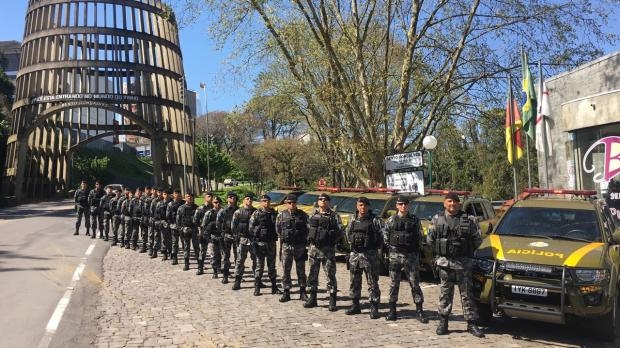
[[355, 308], [421, 317], [94, 235], [442, 328], [165, 257], [225, 277], [200, 269], [473, 329], [175, 260], [106, 238], [391, 316], [311, 302], [186, 266], [77, 231], [215, 273], [143, 249], [257, 288], [88, 232], [262, 285], [302, 294], [127, 245], [332, 302], [150, 251], [286, 296], [154, 254], [237, 284], [374, 310], [100, 234], [274, 288], [114, 242]]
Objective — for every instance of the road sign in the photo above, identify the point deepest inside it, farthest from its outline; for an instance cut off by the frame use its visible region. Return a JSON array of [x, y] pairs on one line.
[[403, 161]]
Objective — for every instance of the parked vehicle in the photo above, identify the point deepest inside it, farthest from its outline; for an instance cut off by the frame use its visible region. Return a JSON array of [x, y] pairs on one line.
[[231, 182]]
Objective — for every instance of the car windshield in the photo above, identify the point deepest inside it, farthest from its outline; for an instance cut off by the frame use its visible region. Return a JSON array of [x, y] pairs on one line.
[[307, 199], [577, 224], [377, 205], [425, 210], [348, 205], [276, 197]]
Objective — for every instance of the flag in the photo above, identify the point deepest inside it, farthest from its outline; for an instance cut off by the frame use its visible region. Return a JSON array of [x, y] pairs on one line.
[[544, 111], [529, 106], [513, 127]]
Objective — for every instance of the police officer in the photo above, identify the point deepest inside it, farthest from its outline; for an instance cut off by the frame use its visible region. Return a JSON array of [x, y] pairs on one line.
[[171, 217], [403, 235], [127, 212], [136, 214], [115, 209], [81, 208], [107, 210], [120, 203], [213, 234], [147, 198], [187, 227], [453, 237], [240, 225], [324, 231], [162, 229], [224, 220], [157, 196], [202, 240], [292, 228], [264, 237], [365, 238], [96, 213]]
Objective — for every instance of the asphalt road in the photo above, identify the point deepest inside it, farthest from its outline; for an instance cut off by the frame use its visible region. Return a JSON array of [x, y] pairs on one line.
[[39, 257]]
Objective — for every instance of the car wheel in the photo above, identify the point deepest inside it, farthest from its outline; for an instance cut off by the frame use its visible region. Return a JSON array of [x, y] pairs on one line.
[[484, 314], [604, 327]]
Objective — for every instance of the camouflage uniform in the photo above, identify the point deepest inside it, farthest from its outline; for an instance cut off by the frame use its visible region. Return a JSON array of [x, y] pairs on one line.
[[127, 211], [324, 231], [240, 225], [263, 231], [403, 236], [187, 228], [365, 238], [137, 215], [227, 242], [147, 199], [152, 222], [202, 237], [81, 208], [292, 229], [96, 213], [171, 217], [107, 213], [161, 235], [115, 209], [213, 234], [453, 239]]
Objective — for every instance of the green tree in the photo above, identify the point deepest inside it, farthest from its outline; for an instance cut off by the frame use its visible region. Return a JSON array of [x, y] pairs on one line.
[[220, 163], [90, 168]]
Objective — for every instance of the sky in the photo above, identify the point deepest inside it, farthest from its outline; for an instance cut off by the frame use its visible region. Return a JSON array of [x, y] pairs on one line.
[[201, 61]]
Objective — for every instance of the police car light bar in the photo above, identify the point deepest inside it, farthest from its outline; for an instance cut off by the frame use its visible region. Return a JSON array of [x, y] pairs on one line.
[[561, 192], [444, 192]]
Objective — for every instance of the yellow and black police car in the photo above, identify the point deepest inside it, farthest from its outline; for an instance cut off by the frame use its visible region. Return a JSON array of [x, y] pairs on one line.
[[554, 257]]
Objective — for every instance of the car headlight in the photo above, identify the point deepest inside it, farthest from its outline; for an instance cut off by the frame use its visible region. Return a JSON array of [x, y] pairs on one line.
[[590, 275], [484, 264]]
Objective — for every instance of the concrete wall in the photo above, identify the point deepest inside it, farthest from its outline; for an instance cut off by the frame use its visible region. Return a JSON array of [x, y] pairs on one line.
[[587, 96]]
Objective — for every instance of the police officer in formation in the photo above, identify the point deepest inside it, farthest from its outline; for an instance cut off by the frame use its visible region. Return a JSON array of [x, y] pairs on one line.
[[324, 231], [214, 234], [187, 228], [147, 198], [155, 199], [115, 209], [292, 229], [162, 230], [96, 213], [171, 217], [136, 214], [453, 237], [364, 234], [224, 224], [202, 240], [402, 234], [263, 233], [80, 199], [240, 226], [107, 210], [127, 213]]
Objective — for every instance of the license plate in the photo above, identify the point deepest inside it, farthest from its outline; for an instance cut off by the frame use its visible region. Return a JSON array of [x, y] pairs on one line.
[[528, 290]]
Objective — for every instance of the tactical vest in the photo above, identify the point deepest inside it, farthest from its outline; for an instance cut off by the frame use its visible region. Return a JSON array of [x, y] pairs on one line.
[[153, 207], [160, 210], [136, 208], [146, 206], [405, 234], [228, 214], [81, 197], [294, 228], [453, 242], [126, 208], [243, 223], [264, 226], [362, 237], [171, 212], [95, 197], [321, 230], [186, 215], [119, 205], [105, 202], [210, 224]]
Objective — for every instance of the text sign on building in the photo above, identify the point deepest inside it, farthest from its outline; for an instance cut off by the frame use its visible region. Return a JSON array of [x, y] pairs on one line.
[[403, 160], [406, 181]]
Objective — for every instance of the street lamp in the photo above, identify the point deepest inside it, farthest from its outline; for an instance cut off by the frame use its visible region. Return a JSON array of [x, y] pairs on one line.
[[430, 142], [203, 86]]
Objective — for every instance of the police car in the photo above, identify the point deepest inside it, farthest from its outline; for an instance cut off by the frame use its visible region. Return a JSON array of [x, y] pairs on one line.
[[554, 256]]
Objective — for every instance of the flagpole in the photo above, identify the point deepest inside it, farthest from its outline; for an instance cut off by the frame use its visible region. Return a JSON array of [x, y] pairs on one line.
[[527, 143], [513, 144], [543, 126]]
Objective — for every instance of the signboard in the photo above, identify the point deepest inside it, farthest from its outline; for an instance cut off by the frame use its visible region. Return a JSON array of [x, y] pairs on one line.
[[408, 160], [406, 182], [111, 97]]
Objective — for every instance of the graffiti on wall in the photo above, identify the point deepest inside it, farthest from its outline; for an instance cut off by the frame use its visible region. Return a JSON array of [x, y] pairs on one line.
[[611, 168]]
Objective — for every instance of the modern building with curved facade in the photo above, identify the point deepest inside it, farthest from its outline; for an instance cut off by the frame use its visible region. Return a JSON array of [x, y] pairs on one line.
[[91, 70]]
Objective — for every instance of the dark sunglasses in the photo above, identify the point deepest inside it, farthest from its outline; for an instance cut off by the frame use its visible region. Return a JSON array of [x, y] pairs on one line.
[[399, 203], [323, 199]]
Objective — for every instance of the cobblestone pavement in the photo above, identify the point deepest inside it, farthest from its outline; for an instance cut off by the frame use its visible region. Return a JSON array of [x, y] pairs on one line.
[[150, 303]]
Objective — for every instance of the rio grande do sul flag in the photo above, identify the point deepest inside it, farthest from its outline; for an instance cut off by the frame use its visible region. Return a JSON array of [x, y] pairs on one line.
[[514, 143], [544, 114]]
